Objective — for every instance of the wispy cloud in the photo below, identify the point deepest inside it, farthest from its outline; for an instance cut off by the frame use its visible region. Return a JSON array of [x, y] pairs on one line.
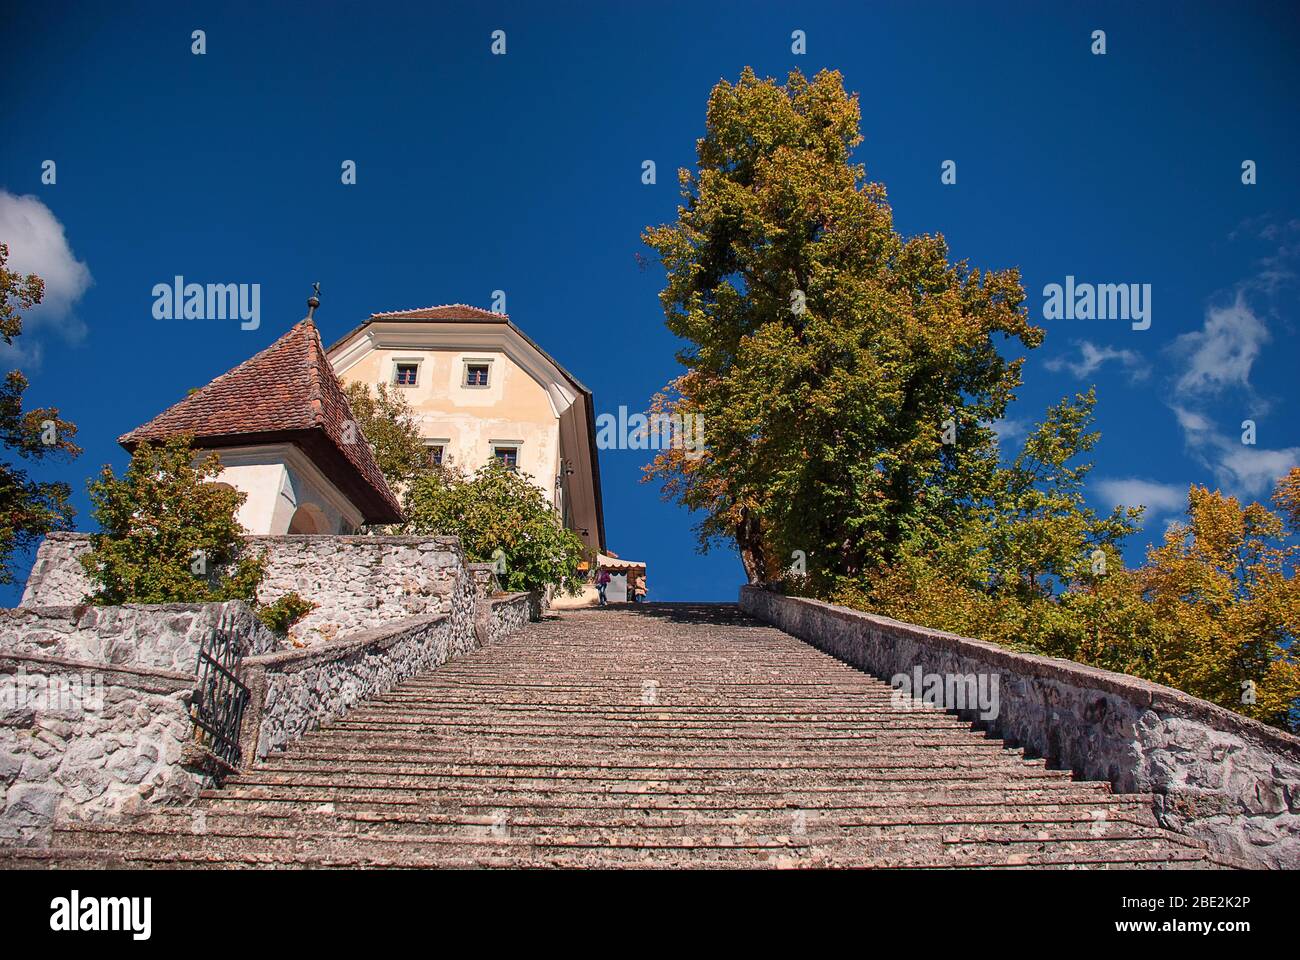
[[1277, 269], [37, 244], [1238, 467], [1158, 498], [1091, 358], [1215, 365], [1221, 354], [1008, 429]]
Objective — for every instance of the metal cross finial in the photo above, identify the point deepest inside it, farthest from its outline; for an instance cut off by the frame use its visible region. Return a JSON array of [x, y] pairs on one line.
[[314, 300]]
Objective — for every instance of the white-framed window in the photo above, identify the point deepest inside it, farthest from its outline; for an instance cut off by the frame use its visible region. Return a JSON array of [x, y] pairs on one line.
[[406, 373], [437, 451], [506, 452], [478, 374]]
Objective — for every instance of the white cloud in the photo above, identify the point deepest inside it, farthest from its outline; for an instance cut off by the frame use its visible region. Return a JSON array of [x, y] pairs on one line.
[[1192, 422], [1091, 357], [1158, 498], [1220, 355], [1242, 469], [1249, 470], [37, 244], [24, 354], [1215, 364], [1008, 429]]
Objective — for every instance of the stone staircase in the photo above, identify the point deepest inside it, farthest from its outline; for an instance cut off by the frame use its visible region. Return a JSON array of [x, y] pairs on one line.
[[651, 736]]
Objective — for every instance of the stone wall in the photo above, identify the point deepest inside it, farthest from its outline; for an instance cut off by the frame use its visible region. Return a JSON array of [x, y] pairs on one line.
[[507, 614], [358, 582], [294, 691], [1214, 774], [485, 579], [389, 608], [164, 636], [57, 579], [497, 614], [90, 744], [362, 582], [95, 707]]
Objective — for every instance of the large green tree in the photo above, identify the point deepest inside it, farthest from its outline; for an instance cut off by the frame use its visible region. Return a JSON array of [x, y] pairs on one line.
[[1214, 610], [29, 508], [830, 357], [168, 532]]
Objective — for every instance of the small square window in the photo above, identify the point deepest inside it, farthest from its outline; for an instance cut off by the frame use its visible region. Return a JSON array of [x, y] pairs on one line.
[[405, 374], [435, 454], [509, 456], [476, 374]]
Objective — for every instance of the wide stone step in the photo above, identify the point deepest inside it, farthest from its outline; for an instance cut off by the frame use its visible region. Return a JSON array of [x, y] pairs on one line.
[[595, 778], [497, 753], [631, 703], [596, 847], [90, 859], [988, 823], [421, 849], [515, 738], [684, 767], [614, 717], [468, 796]]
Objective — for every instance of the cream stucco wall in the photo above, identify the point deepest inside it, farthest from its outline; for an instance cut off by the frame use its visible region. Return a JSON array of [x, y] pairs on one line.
[[513, 409], [280, 480], [530, 402]]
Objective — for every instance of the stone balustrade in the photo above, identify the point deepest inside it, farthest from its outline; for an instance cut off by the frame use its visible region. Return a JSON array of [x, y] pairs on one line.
[[1214, 775]]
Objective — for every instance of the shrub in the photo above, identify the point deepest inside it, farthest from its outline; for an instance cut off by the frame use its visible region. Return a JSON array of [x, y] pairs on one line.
[[285, 612], [500, 517]]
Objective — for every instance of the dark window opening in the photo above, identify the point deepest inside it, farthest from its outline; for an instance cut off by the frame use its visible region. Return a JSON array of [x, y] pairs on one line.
[[509, 456]]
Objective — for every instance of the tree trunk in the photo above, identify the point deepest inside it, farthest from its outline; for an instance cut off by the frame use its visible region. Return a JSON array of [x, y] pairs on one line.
[[749, 542]]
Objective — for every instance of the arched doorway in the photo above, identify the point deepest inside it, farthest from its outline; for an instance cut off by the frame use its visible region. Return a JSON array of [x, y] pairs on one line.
[[308, 519]]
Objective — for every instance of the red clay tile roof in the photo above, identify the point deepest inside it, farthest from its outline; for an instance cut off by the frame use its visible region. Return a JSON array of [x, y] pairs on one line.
[[446, 311], [286, 393]]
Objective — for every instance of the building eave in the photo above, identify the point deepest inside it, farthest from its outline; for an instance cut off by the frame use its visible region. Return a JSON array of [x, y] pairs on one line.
[[319, 449]]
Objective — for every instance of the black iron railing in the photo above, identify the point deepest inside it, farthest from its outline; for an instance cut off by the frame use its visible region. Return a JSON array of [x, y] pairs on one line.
[[219, 702]]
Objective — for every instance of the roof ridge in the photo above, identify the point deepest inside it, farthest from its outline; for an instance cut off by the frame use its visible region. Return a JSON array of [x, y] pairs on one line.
[[315, 388], [440, 306]]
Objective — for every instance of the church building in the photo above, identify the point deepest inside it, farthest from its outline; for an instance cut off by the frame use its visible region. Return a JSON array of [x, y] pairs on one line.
[[479, 389]]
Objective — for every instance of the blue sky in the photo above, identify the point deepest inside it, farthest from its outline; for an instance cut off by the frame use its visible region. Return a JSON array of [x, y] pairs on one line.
[[523, 173]]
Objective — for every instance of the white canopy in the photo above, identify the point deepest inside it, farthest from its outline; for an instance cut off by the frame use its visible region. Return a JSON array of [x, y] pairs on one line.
[[613, 563]]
